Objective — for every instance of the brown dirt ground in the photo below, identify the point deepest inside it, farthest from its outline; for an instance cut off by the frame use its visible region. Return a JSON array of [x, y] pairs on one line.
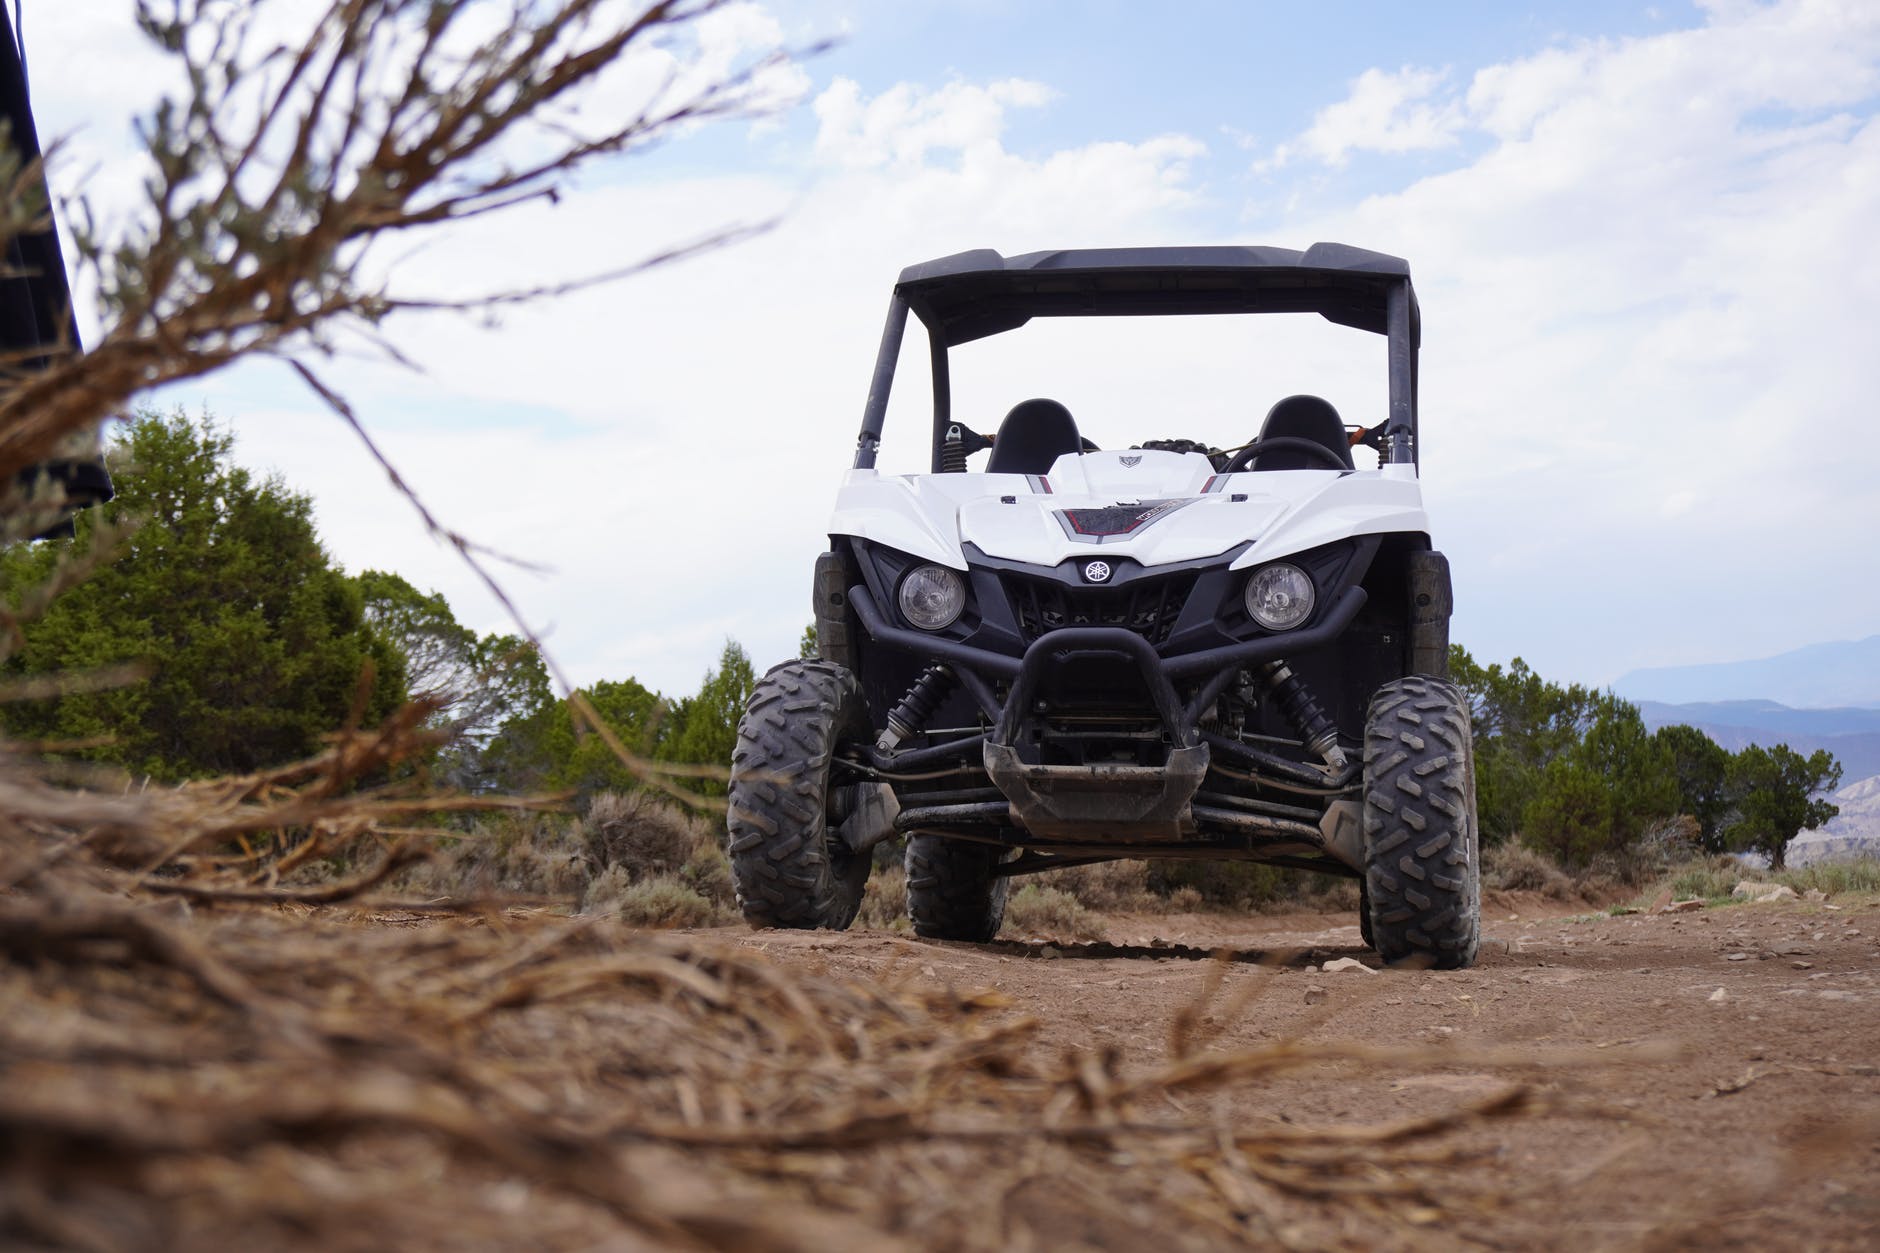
[[1728, 1059]]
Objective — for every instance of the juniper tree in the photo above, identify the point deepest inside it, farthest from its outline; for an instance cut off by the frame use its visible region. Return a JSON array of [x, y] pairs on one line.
[[250, 644]]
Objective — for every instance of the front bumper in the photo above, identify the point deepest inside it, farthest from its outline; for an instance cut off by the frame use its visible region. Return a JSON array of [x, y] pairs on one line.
[[1105, 803]]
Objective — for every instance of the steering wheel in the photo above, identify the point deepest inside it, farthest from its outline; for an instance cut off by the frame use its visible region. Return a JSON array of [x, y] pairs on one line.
[[1284, 443]]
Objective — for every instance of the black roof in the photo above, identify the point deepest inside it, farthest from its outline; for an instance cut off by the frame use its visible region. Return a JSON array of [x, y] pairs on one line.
[[973, 294]]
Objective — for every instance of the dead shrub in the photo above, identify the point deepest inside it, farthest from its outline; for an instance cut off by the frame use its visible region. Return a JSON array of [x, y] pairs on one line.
[[1512, 866], [507, 854], [884, 901], [1038, 910], [641, 832], [1184, 901]]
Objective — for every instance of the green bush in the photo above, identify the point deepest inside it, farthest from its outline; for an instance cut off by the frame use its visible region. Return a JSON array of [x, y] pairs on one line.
[[1707, 878], [1116, 886], [254, 646], [1035, 910], [709, 874], [664, 901], [1239, 885]]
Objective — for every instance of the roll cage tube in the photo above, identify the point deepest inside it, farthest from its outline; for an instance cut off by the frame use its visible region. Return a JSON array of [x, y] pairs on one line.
[[942, 399], [1400, 443], [1400, 429], [875, 412]]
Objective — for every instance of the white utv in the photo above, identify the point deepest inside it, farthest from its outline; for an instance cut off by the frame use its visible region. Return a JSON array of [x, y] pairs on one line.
[[1170, 650]]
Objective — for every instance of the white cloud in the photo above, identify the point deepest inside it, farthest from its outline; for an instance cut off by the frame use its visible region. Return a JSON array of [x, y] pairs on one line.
[[902, 125], [1648, 311], [1386, 111]]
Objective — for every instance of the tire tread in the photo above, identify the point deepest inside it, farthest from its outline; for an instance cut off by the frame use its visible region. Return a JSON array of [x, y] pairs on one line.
[[782, 867], [1422, 883]]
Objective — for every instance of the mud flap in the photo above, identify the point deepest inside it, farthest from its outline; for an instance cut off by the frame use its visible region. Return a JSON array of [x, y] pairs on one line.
[[1343, 830], [830, 604], [1431, 602], [873, 807]]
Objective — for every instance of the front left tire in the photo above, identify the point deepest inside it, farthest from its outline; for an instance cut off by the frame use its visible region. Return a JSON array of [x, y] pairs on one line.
[[789, 864]]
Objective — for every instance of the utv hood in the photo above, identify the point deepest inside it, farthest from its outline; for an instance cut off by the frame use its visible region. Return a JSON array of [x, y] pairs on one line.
[[1158, 508]]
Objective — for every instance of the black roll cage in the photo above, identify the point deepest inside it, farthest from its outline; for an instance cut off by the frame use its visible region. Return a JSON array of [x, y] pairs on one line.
[[974, 294]]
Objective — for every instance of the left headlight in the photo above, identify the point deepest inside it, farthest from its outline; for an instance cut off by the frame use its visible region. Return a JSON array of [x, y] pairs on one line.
[[932, 597], [1280, 596]]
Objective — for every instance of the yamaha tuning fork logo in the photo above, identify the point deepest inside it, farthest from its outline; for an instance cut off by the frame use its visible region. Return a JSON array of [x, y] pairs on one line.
[[1097, 571]]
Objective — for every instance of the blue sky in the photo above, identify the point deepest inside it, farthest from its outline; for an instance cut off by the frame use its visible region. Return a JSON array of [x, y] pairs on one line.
[[1641, 235]]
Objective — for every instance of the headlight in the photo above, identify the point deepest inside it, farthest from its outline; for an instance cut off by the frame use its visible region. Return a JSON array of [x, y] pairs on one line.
[[932, 597], [1279, 596]]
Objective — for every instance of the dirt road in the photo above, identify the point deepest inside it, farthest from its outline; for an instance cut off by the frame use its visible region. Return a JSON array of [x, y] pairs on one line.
[[1726, 1092]]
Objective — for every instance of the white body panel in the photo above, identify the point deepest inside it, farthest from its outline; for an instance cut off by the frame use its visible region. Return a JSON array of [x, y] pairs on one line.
[[1286, 511]]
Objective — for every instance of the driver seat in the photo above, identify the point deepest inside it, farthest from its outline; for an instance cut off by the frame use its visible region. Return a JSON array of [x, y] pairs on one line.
[[1033, 436], [1303, 417]]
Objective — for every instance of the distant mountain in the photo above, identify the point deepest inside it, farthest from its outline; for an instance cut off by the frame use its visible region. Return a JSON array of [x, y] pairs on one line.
[[1854, 832], [1820, 676], [1852, 735]]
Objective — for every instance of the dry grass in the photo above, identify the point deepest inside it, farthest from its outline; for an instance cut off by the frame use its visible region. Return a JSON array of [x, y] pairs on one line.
[[1853, 876], [884, 900], [201, 1054], [1715, 878]]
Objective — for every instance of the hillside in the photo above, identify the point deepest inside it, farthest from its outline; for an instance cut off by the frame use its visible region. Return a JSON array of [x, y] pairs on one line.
[[1838, 674], [1854, 832], [1851, 734]]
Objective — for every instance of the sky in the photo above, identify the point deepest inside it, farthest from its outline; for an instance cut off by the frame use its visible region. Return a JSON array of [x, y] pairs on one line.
[[1641, 236]]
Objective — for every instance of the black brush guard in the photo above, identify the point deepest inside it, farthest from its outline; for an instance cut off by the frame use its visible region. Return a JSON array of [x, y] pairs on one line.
[[1102, 809]]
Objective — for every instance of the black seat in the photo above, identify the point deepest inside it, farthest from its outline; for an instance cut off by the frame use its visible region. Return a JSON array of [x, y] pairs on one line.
[[1303, 417], [1034, 434]]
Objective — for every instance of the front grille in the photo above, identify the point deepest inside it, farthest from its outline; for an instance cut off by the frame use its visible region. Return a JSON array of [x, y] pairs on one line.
[[1149, 607]]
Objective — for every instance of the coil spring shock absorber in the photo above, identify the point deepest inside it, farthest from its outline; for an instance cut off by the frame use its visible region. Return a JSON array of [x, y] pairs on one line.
[[911, 715], [953, 451], [1298, 707]]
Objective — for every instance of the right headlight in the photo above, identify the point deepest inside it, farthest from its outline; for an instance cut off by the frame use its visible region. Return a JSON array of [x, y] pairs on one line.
[[1280, 596], [932, 597]]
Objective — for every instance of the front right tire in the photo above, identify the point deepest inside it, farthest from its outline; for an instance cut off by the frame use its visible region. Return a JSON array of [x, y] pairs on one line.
[[1422, 867], [952, 890]]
